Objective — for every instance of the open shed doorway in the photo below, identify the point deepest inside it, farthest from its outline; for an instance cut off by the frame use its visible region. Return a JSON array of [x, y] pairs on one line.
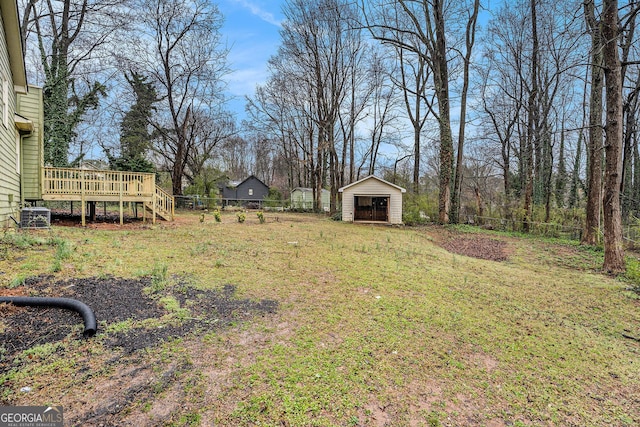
[[371, 208]]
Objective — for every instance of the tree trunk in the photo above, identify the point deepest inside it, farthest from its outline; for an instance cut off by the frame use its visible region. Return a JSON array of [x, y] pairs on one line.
[[594, 145], [441, 81], [561, 178], [416, 154], [457, 181], [613, 250], [532, 119]]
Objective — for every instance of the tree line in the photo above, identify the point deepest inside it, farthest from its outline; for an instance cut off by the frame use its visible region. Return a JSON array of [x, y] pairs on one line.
[[532, 104]]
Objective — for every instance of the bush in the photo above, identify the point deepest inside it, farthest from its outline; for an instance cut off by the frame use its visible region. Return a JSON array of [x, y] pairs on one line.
[[419, 209], [217, 215], [632, 274], [261, 216], [241, 217]]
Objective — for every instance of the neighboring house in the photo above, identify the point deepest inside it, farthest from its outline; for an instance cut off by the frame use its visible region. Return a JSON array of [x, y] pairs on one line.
[[20, 118], [249, 191], [372, 199], [302, 198]]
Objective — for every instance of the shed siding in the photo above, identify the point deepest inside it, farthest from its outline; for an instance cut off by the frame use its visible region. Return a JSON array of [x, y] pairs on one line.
[[30, 106], [302, 198], [375, 188], [9, 178]]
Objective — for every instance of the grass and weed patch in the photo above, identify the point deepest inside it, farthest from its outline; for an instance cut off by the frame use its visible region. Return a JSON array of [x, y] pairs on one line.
[[373, 324]]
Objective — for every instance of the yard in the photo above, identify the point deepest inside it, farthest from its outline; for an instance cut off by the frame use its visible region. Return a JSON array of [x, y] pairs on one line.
[[301, 321]]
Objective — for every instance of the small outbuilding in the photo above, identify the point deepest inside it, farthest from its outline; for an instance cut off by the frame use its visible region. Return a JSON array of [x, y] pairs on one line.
[[302, 198], [372, 199]]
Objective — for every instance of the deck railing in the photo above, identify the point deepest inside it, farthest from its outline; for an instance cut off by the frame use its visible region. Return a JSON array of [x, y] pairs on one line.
[[165, 202], [105, 185], [91, 183]]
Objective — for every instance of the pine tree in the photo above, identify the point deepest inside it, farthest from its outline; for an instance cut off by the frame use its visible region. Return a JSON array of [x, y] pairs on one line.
[[135, 138]]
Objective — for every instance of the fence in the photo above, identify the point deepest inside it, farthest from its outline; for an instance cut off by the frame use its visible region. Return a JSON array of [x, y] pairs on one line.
[[630, 232], [571, 232], [199, 202]]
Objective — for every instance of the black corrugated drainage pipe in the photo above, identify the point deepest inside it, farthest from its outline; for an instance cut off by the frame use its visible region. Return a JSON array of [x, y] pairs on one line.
[[83, 309]]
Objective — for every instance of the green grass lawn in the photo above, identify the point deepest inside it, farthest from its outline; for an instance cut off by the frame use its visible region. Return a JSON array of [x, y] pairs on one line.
[[376, 326]]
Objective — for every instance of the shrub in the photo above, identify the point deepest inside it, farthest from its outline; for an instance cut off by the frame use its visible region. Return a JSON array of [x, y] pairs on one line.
[[241, 217], [261, 217], [419, 209], [217, 215]]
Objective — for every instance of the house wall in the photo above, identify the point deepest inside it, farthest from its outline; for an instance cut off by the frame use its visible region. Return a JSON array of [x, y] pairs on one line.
[[30, 106], [9, 178], [373, 188], [260, 190]]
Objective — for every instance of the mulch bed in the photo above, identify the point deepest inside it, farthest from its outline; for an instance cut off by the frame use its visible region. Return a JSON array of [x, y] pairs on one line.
[[470, 244], [478, 247], [114, 300]]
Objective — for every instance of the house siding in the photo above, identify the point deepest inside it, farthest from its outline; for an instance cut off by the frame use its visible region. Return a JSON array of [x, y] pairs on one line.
[[260, 190], [9, 178], [372, 187], [30, 106], [240, 193]]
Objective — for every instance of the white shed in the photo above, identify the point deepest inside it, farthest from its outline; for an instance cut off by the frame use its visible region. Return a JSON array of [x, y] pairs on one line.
[[372, 199]]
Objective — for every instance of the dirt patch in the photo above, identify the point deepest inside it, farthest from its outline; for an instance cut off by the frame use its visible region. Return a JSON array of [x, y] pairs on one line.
[[114, 300], [472, 245]]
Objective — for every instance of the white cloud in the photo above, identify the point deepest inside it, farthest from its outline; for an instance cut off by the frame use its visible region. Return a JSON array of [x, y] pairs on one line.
[[259, 12], [243, 82]]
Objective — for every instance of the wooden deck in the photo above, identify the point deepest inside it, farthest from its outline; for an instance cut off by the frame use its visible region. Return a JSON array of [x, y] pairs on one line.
[[85, 185]]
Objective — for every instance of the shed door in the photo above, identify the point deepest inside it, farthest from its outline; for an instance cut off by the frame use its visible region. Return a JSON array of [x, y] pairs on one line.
[[371, 208]]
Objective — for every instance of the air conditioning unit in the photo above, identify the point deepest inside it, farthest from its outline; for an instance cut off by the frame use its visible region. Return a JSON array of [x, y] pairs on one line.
[[35, 218]]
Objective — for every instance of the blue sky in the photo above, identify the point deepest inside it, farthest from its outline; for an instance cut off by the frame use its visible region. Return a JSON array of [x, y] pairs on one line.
[[251, 32]]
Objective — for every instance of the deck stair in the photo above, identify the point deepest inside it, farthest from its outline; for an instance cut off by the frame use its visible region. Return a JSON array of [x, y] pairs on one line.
[[164, 205]]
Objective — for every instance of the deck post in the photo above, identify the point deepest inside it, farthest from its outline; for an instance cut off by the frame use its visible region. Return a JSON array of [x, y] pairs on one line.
[[83, 202], [120, 196]]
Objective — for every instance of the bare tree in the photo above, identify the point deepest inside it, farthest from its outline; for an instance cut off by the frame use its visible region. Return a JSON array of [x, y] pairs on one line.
[[382, 108], [178, 45], [275, 114], [414, 82], [470, 37], [207, 133], [320, 47], [68, 35], [426, 22]]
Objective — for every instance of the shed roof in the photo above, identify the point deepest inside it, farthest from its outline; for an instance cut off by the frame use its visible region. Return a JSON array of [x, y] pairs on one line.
[[377, 179]]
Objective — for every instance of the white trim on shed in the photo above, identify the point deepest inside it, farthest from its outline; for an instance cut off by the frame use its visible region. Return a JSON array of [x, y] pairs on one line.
[[372, 199]]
